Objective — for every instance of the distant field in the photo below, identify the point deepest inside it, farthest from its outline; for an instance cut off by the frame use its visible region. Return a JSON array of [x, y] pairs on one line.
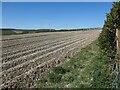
[[21, 31], [8, 32], [26, 57]]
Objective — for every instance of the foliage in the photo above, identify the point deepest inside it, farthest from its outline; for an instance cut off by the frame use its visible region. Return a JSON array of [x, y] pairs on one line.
[[54, 78], [68, 77], [107, 39], [57, 73], [107, 44], [102, 75], [88, 69], [59, 70]]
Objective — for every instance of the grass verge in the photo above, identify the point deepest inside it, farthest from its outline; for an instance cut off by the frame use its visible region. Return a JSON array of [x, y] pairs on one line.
[[88, 69]]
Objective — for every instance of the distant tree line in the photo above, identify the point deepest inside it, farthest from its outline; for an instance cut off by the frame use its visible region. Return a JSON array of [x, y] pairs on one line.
[[10, 31]]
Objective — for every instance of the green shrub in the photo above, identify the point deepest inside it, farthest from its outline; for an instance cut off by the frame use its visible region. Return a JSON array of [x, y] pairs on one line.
[[107, 39], [69, 77], [57, 74], [55, 78], [59, 70]]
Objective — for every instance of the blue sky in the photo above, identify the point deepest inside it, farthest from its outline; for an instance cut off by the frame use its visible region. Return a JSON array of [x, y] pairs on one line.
[[56, 15]]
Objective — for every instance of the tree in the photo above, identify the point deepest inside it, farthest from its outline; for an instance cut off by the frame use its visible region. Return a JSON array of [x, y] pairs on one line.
[[107, 39]]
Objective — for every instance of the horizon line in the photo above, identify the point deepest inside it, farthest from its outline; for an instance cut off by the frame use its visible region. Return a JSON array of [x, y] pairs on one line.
[[50, 28]]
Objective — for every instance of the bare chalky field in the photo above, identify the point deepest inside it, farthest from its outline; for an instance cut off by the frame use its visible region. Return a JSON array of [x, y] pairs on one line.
[[25, 58]]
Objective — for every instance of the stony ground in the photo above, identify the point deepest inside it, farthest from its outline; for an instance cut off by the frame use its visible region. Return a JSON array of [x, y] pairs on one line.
[[26, 57]]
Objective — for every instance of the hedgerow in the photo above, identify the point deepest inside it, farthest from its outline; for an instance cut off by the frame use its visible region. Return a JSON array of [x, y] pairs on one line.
[[107, 39]]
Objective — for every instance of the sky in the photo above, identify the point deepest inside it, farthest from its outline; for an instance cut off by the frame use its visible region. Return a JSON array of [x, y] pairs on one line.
[[54, 15]]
